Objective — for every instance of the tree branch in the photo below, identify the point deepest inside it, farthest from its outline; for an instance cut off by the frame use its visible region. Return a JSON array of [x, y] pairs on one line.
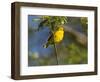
[[81, 38]]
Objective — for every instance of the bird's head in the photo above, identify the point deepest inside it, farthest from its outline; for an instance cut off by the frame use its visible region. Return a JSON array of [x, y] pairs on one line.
[[60, 28]]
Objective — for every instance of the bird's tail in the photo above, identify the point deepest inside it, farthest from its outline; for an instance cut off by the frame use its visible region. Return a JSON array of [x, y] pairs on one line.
[[46, 45]]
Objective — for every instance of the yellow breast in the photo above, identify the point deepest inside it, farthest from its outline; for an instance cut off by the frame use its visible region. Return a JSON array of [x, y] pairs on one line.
[[58, 36]]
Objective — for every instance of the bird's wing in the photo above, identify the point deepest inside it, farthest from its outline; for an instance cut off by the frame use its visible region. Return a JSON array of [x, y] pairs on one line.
[[50, 37], [49, 41]]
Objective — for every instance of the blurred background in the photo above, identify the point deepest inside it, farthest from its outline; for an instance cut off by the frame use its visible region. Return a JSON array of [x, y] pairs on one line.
[[72, 50]]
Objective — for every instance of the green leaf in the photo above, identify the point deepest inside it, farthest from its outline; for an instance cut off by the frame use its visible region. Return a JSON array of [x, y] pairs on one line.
[[36, 20]]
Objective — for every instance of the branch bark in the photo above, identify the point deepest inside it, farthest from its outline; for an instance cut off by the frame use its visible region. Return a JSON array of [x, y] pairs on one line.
[[80, 37]]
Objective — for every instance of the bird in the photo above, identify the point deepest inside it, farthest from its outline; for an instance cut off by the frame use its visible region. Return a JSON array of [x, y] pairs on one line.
[[55, 37]]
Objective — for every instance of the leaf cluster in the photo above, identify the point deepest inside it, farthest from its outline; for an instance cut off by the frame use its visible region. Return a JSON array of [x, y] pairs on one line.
[[52, 22]]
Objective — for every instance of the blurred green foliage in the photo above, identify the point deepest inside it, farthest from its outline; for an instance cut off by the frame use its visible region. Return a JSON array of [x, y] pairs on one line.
[[39, 61], [76, 54], [84, 23]]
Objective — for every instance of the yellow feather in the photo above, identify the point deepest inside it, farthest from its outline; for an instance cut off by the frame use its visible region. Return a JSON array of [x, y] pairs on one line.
[[58, 35]]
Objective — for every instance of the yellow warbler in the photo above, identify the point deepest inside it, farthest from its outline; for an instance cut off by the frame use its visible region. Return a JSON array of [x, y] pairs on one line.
[[56, 37]]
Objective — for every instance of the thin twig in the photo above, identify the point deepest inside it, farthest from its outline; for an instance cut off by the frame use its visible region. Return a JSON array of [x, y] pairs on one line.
[[56, 53], [54, 43]]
